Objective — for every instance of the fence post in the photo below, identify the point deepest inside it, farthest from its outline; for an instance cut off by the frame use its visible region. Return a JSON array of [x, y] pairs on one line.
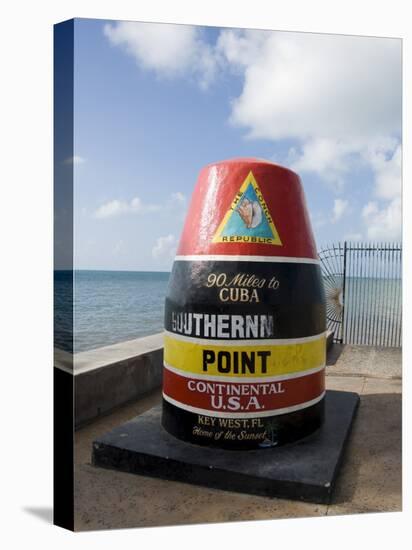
[[343, 291]]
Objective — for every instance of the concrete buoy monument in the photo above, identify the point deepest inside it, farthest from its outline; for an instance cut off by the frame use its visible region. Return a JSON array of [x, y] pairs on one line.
[[244, 349], [245, 321]]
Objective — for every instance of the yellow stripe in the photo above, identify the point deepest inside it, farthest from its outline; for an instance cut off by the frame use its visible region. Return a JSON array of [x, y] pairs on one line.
[[282, 358]]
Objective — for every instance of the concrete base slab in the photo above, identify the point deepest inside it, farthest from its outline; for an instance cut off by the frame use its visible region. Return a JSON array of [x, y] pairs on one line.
[[305, 470]]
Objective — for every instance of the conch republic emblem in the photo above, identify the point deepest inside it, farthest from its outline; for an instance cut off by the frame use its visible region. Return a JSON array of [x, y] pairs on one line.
[[245, 321], [248, 218]]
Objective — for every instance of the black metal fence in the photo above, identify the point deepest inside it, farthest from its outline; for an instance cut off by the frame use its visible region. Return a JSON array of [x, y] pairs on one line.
[[363, 289]]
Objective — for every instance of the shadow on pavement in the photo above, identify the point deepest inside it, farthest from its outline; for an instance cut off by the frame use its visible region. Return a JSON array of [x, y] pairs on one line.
[[333, 354], [370, 478]]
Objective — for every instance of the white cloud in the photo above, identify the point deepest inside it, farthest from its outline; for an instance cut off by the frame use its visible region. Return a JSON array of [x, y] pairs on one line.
[[325, 156], [168, 50], [165, 248], [340, 206], [76, 159], [387, 168], [111, 209], [117, 207], [179, 198], [240, 48], [318, 219], [301, 85], [352, 237], [383, 222], [339, 96]]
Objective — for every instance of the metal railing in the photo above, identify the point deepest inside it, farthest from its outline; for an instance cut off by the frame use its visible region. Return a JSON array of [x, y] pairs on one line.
[[363, 292]]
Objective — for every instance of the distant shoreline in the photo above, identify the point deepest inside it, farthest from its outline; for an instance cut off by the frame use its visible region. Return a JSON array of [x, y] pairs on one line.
[[110, 271]]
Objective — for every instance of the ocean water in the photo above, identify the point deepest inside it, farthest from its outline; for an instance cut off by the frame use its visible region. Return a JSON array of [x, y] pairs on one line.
[[109, 307], [114, 306], [373, 311]]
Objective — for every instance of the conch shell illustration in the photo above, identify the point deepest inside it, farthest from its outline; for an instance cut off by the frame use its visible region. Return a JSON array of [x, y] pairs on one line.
[[250, 212]]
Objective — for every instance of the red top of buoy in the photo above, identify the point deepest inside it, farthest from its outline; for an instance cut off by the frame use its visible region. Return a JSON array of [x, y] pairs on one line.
[[247, 207]]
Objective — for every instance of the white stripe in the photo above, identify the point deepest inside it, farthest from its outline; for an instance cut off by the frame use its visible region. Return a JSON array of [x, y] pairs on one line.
[[254, 414], [243, 379], [263, 343], [237, 258]]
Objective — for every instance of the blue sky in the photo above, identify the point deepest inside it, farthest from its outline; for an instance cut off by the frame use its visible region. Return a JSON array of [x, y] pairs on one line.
[[154, 103]]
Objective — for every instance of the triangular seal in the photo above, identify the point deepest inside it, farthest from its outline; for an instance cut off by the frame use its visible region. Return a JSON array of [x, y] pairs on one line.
[[248, 218]]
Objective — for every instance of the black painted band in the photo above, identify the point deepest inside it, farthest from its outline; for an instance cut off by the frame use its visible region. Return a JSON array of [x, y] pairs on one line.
[[286, 300], [276, 430]]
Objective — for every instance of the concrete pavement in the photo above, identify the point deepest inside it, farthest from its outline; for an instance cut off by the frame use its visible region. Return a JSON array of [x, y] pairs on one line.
[[369, 480]]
